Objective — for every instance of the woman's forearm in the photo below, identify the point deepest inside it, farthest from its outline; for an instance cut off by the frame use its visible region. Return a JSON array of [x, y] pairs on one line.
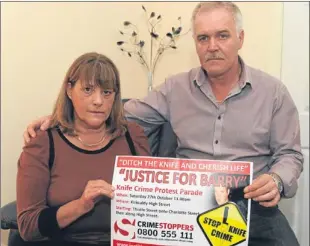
[[69, 212]]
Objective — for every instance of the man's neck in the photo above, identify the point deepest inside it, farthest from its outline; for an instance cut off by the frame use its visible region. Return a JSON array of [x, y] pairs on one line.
[[222, 85], [227, 79]]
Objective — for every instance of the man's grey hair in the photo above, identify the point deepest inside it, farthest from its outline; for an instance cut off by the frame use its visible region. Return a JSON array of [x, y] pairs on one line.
[[230, 6]]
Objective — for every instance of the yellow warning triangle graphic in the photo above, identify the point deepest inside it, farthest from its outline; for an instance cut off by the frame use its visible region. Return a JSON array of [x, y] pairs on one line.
[[224, 225]]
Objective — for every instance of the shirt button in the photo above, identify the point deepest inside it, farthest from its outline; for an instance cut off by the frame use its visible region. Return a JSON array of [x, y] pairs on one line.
[[219, 117], [216, 141]]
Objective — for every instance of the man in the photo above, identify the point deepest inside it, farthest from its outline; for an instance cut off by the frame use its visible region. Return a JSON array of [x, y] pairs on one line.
[[221, 194], [227, 110]]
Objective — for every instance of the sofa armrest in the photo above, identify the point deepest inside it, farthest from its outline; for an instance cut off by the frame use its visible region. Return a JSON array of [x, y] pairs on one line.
[[9, 216]]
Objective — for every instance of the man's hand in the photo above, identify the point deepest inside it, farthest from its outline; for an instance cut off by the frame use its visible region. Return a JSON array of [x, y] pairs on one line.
[[42, 123], [263, 190]]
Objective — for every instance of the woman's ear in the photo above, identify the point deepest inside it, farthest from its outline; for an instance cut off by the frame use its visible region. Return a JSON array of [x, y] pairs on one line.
[[69, 90]]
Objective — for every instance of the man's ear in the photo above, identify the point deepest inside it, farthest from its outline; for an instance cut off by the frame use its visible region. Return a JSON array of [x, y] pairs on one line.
[[241, 39], [69, 90]]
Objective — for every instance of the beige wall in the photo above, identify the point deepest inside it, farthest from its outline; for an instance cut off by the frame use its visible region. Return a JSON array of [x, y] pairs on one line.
[[40, 40]]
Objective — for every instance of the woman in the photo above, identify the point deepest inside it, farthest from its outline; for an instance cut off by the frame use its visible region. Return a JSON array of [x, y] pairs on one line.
[[65, 174]]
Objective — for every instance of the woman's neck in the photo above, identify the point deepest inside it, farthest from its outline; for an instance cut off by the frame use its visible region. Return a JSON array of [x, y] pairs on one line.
[[82, 129], [89, 138]]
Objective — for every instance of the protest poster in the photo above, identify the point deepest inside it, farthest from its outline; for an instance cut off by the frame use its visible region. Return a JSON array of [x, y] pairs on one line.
[[173, 201]]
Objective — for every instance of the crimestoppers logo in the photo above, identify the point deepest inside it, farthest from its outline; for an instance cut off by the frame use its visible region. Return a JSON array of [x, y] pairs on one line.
[[125, 228]]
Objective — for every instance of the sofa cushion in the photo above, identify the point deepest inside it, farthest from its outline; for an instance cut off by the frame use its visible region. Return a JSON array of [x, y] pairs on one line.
[[162, 140], [9, 216]]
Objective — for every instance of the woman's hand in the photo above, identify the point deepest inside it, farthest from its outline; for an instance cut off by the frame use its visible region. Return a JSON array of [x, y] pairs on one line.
[[93, 192]]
